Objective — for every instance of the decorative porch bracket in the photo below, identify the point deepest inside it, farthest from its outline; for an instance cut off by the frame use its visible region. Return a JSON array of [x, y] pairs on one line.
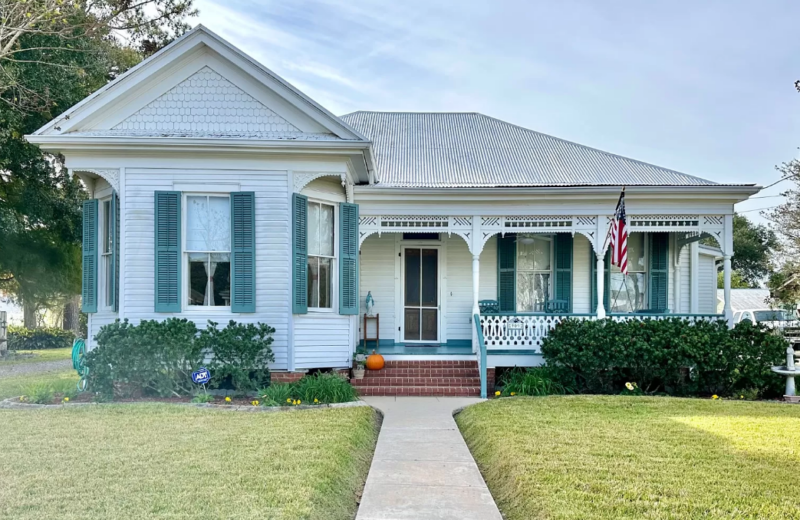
[[89, 175]]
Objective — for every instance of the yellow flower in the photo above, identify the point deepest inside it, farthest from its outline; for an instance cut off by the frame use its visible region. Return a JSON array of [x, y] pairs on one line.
[[629, 386], [741, 397], [294, 402], [254, 403], [299, 401], [66, 399], [316, 400], [497, 393], [715, 396], [289, 400], [513, 393], [227, 399], [22, 398]]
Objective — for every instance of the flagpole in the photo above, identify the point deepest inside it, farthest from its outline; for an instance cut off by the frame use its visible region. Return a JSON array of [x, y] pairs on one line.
[[608, 234]]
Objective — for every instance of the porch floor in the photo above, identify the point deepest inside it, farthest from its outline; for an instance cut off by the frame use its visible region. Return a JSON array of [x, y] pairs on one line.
[[420, 350]]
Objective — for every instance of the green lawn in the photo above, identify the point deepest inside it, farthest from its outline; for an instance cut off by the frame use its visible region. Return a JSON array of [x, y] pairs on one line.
[[169, 461], [12, 386], [51, 354], [599, 457]]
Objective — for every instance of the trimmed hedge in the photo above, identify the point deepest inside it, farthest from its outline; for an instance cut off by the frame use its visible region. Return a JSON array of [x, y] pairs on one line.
[[158, 357], [20, 338], [670, 356]]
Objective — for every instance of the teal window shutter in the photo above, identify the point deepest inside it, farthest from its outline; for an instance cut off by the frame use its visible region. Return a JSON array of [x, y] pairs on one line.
[[299, 254], [243, 253], [89, 275], [167, 251], [659, 271], [563, 268], [507, 272], [114, 278], [606, 285], [348, 258]]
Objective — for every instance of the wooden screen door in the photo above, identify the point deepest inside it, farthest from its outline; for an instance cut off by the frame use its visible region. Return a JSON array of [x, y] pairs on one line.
[[421, 298]]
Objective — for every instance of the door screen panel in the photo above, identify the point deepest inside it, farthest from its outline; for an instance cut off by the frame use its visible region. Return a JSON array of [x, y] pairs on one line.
[[421, 287]]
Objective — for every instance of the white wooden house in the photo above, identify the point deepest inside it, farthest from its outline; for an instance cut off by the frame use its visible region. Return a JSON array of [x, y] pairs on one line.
[[219, 191]]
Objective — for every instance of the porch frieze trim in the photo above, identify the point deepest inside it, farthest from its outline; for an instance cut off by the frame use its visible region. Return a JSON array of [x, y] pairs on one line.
[[302, 179]]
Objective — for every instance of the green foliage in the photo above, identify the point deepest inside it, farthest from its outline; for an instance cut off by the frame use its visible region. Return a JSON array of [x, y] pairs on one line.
[[319, 388], [326, 388], [21, 338], [277, 394], [203, 398], [39, 393], [669, 356], [531, 381], [240, 353], [159, 357], [737, 282]]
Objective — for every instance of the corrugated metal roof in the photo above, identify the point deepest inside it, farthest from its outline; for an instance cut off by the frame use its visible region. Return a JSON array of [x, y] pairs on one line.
[[472, 150], [746, 299]]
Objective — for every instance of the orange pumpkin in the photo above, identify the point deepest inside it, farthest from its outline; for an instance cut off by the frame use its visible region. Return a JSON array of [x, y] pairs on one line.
[[375, 361]]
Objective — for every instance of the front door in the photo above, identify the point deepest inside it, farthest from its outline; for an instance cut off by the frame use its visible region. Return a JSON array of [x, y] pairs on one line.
[[421, 294]]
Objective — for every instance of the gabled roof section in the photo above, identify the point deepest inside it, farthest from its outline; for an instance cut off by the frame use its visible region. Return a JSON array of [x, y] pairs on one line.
[[462, 150], [201, 86]]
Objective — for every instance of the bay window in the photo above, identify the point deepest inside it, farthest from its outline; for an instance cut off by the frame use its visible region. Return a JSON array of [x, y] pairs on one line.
[[207, 250], [321, 255]]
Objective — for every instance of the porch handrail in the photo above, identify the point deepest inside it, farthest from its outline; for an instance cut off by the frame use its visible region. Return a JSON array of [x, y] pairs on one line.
[[482, 355]]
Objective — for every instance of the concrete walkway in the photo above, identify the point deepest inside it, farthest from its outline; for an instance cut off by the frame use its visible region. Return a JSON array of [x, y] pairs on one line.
[[422, 467]]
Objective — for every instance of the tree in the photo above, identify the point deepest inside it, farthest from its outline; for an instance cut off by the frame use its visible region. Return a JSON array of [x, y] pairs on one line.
[[66, 25], [753, 248], [55, 66], [737, 282], [785, 281]]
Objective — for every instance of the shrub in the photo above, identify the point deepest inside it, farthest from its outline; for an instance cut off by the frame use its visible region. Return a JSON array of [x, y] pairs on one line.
[[326, 388], [311, 389], [531, 381], [670, 356], [277, 394], [240, 353], [159, 357], [20, 338], [39, 393]]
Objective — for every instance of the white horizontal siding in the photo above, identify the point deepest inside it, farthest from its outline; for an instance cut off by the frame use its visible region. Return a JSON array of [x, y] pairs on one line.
[[96, 321], [273, 276], [582, 257], [459, 284], [322, 340], [707, 285], [377, 275]]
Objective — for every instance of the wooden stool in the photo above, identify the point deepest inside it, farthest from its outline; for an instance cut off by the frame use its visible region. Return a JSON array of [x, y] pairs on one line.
[[367, 335]]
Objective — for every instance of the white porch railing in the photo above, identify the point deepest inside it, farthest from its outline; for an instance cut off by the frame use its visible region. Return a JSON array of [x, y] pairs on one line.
[[525, 332]]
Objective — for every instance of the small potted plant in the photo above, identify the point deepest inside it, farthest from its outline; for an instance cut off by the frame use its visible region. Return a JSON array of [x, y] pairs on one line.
[[359, 368]]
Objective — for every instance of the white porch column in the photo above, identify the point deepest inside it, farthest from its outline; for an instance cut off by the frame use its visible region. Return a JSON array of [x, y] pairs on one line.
[[476, 275], [601, 280], [726, 274], [475, 249], [676, 289]]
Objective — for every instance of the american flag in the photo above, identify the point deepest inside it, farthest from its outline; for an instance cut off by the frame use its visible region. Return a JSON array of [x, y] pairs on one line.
[[619, 236]]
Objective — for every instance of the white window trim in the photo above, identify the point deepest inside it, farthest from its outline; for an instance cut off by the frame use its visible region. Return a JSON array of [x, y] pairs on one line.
[[551, 239], [645, 271], [185, 307], [103, 278], [334, 308]]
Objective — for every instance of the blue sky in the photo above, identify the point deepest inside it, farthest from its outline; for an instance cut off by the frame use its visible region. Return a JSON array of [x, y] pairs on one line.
[[705, 88]]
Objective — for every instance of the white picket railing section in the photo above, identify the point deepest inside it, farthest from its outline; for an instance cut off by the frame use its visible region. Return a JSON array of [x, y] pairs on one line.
[[525, 332]]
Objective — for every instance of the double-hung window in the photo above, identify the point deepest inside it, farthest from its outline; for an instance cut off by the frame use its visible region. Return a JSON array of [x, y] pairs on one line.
[[534, 265], [106, 248], [321, 254], [629, 293], [207, 250]]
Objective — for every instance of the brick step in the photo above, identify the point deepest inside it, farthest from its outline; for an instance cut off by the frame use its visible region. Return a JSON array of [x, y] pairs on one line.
[[417, 381], [432, 364], [440, 391], [423, 372]]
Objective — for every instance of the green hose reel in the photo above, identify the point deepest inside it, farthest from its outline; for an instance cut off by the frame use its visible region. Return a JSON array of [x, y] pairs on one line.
[[78, 353]]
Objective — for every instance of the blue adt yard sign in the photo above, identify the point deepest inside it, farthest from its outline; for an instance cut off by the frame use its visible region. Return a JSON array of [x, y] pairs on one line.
[[201, 376]]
